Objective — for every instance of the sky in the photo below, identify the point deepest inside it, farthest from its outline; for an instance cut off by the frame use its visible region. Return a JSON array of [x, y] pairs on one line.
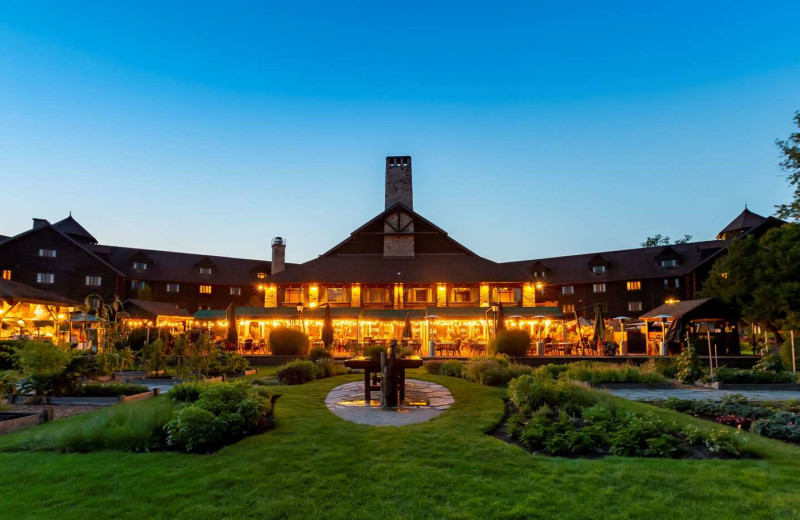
[[536, 129]]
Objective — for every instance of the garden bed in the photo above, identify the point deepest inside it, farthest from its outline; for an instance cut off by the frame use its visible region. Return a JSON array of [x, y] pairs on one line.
[[83, 400], [752, 386], [13, 421], [623, 386]]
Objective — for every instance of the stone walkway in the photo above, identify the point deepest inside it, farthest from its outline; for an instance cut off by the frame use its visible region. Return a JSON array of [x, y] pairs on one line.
[[661, 394], [424, 401]]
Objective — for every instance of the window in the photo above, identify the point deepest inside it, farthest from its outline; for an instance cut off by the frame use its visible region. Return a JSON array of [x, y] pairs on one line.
[[568, 308], [137, 285], [568, 289], [204, 270], [140, 266], [205, 289], [418, 295], [599, 288], [6, 274], [236, 291], [598, 269], [677, 282], [292, 295], [538, 274], [47, 253], [261, 276], [95, 302], [635, 306], [672, 282], [336, 295], [463, 295], [45, 278], [506, 295], [723, 275], [634, 286], [173, 287], [94, 281], [668, 264], [377, 295]]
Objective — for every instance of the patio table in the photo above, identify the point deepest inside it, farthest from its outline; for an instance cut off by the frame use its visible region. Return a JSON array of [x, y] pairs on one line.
[[369, 365]]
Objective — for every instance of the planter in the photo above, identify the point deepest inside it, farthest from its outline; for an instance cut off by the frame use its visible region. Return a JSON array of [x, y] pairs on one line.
[[83, 400], [624, 386], [13, 421], [755, 386]]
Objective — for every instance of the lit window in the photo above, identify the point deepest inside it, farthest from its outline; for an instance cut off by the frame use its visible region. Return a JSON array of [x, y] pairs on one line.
[[141, 266], [6, 274], [599, 288], [377, 295], [292, 295], [464, 295], [235, 291], [634, 286], [45, 278], [47, 253], [724, 275], [538, 274], [138, 285], [598, 269], [506, 295], [336, 295], [173, 287], [634, 306], [94, 281], [568, 308], [205, 289], [261, 276], [568, 289], [668, 264], [204, 270]]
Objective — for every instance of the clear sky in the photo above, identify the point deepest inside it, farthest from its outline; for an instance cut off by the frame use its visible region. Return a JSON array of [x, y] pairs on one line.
[[536, 128]]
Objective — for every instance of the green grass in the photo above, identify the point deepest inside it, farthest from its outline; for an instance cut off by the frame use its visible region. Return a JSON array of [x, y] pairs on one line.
[[315, 465]]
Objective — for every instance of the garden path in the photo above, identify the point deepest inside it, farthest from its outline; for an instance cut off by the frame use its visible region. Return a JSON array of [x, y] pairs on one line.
[[661, 394]]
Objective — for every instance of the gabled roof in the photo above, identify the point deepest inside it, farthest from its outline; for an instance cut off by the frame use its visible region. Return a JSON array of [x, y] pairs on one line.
[[667, 253], [745, 221], [154, 309], [688, 310], [3, 238], [70, 226], [11, 290]]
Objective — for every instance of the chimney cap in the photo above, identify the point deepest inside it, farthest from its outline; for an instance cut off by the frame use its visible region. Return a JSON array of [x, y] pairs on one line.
[[278, 241]]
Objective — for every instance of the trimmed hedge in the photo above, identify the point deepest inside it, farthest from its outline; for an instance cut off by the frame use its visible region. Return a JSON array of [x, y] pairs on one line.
[[111, 389], [284, 341], [513, 343]]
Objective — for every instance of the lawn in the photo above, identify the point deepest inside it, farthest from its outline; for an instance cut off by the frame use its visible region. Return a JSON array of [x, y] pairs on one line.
[[315, 465]]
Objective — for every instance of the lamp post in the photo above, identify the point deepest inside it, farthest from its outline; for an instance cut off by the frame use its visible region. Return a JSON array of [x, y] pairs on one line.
[[302, 318], [494, 308]]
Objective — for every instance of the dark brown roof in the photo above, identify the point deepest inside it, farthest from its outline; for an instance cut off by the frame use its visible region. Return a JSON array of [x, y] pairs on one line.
[[626, 264], [70, 226], [15, 291], [154, 309], [182, 267], [745, 221], [675, 310]]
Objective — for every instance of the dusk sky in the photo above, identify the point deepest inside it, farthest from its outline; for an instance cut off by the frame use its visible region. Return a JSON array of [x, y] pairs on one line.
[[536, 129]]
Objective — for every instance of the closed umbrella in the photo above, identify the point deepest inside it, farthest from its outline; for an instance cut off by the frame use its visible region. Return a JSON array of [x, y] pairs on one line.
[[327, 328], [233, 336], [599, 327], [406, 334], [501, 318]]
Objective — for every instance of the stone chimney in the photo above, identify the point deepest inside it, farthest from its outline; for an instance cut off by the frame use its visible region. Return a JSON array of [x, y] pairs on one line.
[[278, 255], [39, 222], [398, 181]]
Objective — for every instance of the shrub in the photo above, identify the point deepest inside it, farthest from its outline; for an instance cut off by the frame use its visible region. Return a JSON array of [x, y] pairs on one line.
[[741, 376], [284, 341], [374, 352], [41, 357], [137, 338], [494, 370], [552, 371], [600, 373], [193, 429], [452, 369], [529, 393], [297, 372], [433, 367], [513, 343], [666, 367], [187, 392], [8, 382], [689, 368], [112, 389], [785, 355], [327, 368], [780, 425], [318, 353], [770, 361], [8, 353]]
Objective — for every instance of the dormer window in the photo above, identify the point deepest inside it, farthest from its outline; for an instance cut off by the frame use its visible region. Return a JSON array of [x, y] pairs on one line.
[[538, 274], [598, 269], [668, 263], [140, 266], [204, 270], [47, 253], [261, 276]]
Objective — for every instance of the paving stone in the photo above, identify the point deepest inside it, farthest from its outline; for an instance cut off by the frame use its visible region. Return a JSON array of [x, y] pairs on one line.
[[662, 394]]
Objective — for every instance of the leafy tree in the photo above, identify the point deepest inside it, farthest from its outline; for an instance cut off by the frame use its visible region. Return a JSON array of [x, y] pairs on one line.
[[761, 278], [659, 240], [790, 148]]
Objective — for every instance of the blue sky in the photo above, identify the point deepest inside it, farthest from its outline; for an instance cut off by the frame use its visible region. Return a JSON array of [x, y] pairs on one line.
[[536, 128]]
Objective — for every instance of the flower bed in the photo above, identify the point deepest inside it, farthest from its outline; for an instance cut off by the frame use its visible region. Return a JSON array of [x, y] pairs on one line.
[[554, 417], [495, 370], [299, 371], [739, 378], [775, 420], [600, 374]]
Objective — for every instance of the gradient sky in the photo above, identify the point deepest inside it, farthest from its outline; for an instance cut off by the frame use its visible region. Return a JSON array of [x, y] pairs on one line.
[[536, 128]]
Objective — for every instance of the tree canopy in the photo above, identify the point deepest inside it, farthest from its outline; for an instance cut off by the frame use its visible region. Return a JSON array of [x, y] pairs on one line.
[[790, 149], [659, 240]]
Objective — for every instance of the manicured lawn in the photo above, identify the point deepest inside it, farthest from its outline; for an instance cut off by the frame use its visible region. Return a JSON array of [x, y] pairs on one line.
[[315, 465]]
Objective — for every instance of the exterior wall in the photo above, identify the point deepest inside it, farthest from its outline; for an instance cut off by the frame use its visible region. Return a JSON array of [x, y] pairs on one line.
[[484, 295], [271, 296], [528, 295], [70, 267], [441, 295], [355, 295]]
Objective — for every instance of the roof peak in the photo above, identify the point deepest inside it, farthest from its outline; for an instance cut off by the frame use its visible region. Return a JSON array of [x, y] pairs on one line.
[[70, 226]]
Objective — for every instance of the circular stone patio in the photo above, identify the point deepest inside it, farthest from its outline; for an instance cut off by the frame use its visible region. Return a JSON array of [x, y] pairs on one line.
[[424, 401]]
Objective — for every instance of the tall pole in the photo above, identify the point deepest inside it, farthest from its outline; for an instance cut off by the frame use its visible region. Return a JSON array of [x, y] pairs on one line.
[[794, 366], [710, 358]]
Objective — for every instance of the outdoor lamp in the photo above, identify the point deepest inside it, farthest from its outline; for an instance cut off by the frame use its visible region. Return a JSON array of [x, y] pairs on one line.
[[21, 322], [494, 307], [300, 307]]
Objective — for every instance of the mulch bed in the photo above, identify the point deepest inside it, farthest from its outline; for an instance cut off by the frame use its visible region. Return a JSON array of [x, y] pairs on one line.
[[58, 411]]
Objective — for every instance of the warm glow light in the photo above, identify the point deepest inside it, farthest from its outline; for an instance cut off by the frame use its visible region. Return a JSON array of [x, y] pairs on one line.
[[60, 316], [539, 285], [314, 288], [672, 301]]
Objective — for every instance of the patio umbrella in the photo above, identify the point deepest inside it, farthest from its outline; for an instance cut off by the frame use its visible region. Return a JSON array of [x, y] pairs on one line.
[[501, 318], [406, 334], [230, 314], [599, 326], [327, 328]]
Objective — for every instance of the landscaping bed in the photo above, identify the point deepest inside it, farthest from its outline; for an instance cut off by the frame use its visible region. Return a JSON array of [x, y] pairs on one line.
[[779, 420], [13, 421], [555, 417]]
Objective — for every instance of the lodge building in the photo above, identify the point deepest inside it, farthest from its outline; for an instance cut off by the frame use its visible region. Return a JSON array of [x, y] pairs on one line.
[[397, 261]]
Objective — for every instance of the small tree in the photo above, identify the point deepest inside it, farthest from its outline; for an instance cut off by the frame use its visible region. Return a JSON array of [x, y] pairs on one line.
[[689, 367], [154, 355]]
